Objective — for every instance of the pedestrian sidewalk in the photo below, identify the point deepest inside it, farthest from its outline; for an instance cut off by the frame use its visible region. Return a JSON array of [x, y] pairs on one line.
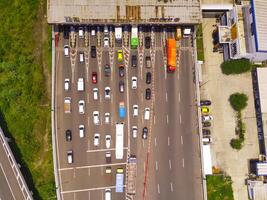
[[218, 87]]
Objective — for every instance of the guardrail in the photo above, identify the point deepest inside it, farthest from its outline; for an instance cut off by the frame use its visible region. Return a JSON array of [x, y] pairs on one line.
[[27, 194]]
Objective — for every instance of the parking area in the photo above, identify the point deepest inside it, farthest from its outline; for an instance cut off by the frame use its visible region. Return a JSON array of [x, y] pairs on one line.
[[218, 87]]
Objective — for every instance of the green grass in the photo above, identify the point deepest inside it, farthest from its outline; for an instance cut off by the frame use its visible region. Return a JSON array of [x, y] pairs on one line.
[[200, 49], [236, 66], [219, 187], [24, 101]]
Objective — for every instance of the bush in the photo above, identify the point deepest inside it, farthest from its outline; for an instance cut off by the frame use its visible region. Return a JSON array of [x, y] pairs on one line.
[[236, 144], [238, 101], [236, 66]]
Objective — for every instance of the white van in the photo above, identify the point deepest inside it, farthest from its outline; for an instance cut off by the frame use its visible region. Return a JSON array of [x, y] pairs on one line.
[[107, 194], [95, 94], [80, 84], [81, 57], [66, 51], [147, 113]]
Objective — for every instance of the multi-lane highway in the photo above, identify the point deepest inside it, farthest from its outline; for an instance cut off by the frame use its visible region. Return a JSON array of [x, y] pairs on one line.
[[168, 160]]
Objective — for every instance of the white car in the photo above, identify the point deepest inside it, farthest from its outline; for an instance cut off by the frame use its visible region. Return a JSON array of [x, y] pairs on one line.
[[108, 194], [107, 92], [66, 51], [96, 139], [95, 94], [206, 118], [134, 82], [67, 84], [93, 32], [81, 131], [108, 141], [106, 41], [105, 30], [107, 118], [206, 140], [81, 57], [134, 131], [70, 156], [147, 114], [135, 110], [81, 32], [81, 106], [96, 117]]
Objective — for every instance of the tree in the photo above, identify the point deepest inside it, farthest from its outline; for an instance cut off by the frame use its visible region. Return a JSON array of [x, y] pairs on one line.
[[238, 101], [236, 66]]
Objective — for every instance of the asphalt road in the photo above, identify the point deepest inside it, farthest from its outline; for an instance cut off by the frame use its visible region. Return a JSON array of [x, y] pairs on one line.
[[168, 159]]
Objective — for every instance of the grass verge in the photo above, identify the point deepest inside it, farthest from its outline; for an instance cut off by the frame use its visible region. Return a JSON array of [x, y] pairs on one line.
[[24, 91], [200, 49], [219, 187]]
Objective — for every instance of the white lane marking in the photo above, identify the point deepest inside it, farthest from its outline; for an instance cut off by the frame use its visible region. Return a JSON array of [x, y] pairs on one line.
[[183, 162], [167, 119], [182, 140], [157, 167], [89, 172], [170, 164], [158, 189], [89, 121], [155, 141], [168, 141], [180, 117], [97, 150], [89, 189], [92, 166], [89, 195], [166, 97], [154, 119], [74, 195], [171, 187], [74, 173], [88, 100], [165, 73], [7, 180], [179, 97], [102, 171], [88, 143], [143, 143]]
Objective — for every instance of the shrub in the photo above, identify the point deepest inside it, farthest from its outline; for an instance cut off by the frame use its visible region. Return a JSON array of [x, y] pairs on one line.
[[236, 144], [238, 101], [236, 66]]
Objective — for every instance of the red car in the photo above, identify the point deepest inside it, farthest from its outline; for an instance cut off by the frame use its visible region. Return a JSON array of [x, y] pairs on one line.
[[94, 77]]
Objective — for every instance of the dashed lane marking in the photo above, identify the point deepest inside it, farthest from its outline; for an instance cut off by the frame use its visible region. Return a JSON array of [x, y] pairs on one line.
[[158, 189], [155, 141], [157, 167], [168, 141], [171, 187], [170, 164], [182, 140]]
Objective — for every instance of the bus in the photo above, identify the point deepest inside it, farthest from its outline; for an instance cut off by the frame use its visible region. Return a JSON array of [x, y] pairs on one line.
[[119, 140], [134, 37], [171, 55]]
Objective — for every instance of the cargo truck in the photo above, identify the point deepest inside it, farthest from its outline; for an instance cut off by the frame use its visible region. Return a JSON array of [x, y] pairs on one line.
[[67, 106], [118, 33], [171, 55], [119, 140], [119, 180], [131, 176], [122, 111], [134, 37]]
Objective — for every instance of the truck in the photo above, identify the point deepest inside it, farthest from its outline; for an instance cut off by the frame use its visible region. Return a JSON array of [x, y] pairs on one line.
[[122, 111], [131, 176], [171, 55], [134, 37], [67, 106], [118, 33], [119, 180], [119, 140], [80, 84]]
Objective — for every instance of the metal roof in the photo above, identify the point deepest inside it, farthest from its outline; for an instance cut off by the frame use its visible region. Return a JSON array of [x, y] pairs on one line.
[[262, 83], [260, 24], [123, 11]]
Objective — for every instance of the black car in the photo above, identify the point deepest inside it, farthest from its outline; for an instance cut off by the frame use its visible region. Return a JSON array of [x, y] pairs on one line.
[[121, 71], [205, 102], [148, 94], [68, 135], [66, 30], [148, 77], [107, 70], [134, 61], [93, 51], [147, 42], [206, 124], [206, 132], [145, 133]]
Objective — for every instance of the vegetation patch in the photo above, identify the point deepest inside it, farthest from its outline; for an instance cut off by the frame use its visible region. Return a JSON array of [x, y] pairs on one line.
[[199, 40], [24, 101], [236, 66], [238, 101], [219, 187]]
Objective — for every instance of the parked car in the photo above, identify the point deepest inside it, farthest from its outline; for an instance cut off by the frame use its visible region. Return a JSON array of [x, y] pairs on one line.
[[70, 156], [206, 118], [96, 139], [121, 71], [107, 118], [206, 124], [134, 131], [145, 133], [92, 32], [96, 117], [206, 140], [105, 30], [148, 94], [81, 35], [147, 42], [107, 70], [205, 102], [121, 86], [95, 93], [135, 110], [81, 131], [148, 77], [81, 106], [134, 82], [119, 54], [134, 61], [107, 92], [94, 77], [106, 41], [93, 51], [68, 135], [205, 132], [205, 110], [108, 141], [81, 56], [66, 50], [148, 62], [67, 84]]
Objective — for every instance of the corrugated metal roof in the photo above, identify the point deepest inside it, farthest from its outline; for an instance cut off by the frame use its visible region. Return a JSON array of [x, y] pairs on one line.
[[260, 22]]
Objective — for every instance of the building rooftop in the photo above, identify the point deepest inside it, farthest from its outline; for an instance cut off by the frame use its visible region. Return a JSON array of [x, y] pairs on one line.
[[123, 11], [260, 24]]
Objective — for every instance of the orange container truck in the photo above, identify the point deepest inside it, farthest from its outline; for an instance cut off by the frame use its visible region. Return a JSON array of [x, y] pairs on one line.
[[171, 54]]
